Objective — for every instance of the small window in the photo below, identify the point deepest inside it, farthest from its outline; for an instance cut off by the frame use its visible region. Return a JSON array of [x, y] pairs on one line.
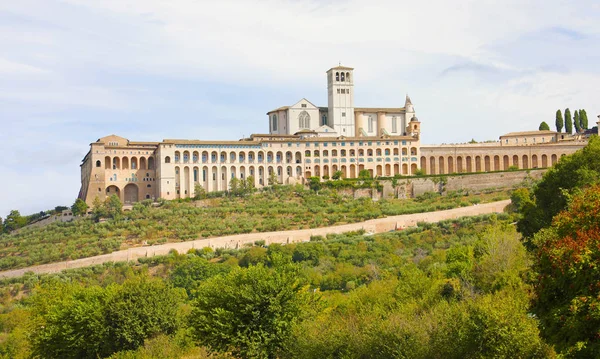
[[149, 185], [343, 114], [167, 159], [98, 163], [303, 105]]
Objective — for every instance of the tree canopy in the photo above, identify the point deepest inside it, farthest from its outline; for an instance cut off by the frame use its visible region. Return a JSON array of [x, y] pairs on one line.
[[551, 194], [567, 292], [544, 127], [250, 311]]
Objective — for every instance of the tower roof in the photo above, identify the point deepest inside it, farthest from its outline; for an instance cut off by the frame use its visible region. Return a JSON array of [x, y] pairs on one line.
[[340, 67], [408, 101]]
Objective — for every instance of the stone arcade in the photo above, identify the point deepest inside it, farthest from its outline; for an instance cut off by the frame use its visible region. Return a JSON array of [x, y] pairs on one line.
[[304, 141]]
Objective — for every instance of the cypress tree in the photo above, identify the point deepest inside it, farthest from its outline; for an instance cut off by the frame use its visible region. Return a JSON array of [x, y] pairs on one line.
[[568, 121], [544, 126], [559, 121], [576, 122], [583, 119]]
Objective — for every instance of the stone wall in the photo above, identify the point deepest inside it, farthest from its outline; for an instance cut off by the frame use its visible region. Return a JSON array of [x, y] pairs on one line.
[[476, 182], [412, 187]]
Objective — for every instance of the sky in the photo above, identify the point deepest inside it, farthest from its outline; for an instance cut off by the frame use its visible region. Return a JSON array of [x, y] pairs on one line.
[[72, 71]]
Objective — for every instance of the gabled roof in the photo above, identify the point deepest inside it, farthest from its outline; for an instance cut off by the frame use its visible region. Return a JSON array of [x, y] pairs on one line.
[[304, 99]]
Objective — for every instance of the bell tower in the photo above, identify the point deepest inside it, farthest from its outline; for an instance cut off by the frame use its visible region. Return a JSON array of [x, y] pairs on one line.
[[340, 97]]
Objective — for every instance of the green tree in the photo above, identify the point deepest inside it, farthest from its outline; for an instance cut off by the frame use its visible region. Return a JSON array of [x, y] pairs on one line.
[[568, 121], [559, 121], [314, 183], [337, 175], [14, 220], [199, 191], [576, 122], [583, 119], [249, 185], [235, 187], [79, 208], [141, 308], [98, 209], [72, 321], [273, 180], [250, 312], [114, 207], [68, 322], [544, 127], [190, 273], [364, 174], [551, 194]]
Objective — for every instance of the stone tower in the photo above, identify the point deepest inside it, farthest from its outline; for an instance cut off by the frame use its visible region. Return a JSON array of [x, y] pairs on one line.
[[340, 97]]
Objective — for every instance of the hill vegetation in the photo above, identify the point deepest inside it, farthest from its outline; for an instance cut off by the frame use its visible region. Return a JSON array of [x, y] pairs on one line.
[[455, 289], [274, 209]]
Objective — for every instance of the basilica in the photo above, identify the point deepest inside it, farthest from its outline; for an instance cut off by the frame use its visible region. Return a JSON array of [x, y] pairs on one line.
[[305, 140]]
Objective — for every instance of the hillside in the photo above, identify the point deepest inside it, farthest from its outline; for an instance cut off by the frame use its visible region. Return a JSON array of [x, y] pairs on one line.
[[281, 208], [420, 293]]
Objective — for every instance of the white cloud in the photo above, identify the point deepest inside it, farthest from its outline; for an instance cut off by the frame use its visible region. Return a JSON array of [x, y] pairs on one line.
[[14, 68], [476, 68]]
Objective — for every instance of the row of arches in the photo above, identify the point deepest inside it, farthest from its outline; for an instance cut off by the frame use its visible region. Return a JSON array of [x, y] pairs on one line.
[[362, 152], [131, 193], [342, 76], [126, 163], [287, 157], [487, 163], [236, 157]]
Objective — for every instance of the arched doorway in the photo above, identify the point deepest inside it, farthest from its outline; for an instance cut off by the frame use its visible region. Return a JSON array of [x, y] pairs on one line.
[[110, 190], [131, 193]]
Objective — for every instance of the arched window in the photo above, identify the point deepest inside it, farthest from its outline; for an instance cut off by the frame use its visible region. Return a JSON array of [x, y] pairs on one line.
[[348, 76], [151, 163], [342, 77], [337, 76], [167, 159], [274, 123], [304, 120], [98, 163]]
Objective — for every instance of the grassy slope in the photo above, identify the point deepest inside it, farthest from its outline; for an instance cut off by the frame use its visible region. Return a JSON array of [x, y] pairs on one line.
[[283, 209]]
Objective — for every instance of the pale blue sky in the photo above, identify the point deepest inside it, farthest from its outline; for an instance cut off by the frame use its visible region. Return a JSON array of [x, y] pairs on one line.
[[72, 71]]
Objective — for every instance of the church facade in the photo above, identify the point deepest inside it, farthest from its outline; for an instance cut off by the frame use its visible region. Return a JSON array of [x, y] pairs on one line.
[[304, 140]]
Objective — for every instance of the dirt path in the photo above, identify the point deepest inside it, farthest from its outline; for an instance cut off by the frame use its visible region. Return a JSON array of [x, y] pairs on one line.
[[237, 241]]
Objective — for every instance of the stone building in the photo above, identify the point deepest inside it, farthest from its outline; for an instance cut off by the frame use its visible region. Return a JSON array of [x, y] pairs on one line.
[[305, 140]]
